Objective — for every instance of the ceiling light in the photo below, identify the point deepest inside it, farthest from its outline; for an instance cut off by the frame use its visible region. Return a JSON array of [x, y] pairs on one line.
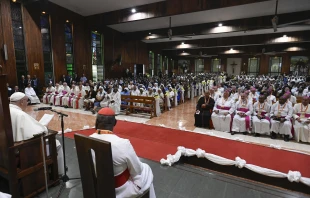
[[231, 49], [182, 43], [150, 33], [14, 1], [43, 12], [67, 21], [20, 27], [220, 25], [96, 31], [284, 36], [133, 10]]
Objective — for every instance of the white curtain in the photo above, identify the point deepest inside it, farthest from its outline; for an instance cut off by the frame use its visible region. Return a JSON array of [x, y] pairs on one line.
[[292, 176]]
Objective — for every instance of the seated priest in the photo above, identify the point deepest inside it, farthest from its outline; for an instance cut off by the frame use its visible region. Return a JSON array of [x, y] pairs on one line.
[[204, 110], [24, 126], [242, 118], [281, 114], [31, 94], [115, 100], [58, 91], [68, 98], [223, 109], [261, 120], [132, 177], [64, 93], [78, 100], [302, 120], [48, 93], [90, 98]]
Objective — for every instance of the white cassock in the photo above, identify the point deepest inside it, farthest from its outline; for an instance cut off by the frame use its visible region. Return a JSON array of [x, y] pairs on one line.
[[285, 111], [57, 92], [48, 94], [253, 97], [261, 126], [31, 94], [220, 121], [64, 93], [302, 130], [4, 195], [67, 100], [24, 127], [116, 106], [78, 100], [105, 102], [242, 124], [293, 100], [271, 99], [125, 157]]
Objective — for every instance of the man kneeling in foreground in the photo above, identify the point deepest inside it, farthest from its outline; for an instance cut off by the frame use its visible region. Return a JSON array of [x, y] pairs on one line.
[[132, 177]]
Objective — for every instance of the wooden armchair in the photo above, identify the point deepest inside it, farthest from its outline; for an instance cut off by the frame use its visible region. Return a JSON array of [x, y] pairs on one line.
[[97, 181], [21, 164]]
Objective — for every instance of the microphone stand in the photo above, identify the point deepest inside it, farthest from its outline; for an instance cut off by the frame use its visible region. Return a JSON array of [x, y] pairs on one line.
[[65, 177]]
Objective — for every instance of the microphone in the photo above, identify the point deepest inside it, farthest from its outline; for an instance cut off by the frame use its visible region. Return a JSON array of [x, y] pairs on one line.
[[42, 108]]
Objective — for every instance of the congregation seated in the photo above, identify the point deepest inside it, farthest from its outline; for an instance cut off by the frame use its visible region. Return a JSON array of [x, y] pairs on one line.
[[57, 92], [64, 93]]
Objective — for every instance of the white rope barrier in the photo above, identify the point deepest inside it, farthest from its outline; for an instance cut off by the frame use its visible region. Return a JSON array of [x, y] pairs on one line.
[[292, 176]]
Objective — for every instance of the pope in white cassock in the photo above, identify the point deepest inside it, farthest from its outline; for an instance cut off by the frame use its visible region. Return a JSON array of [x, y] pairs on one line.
[[221, 116], [302, 120], [31, 94], [24, 126], [261, 119], [242, 119], [132, 177], [281, 114], [4, 195]]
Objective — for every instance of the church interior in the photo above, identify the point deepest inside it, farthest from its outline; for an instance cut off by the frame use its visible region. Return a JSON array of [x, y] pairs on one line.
[[155, 98]]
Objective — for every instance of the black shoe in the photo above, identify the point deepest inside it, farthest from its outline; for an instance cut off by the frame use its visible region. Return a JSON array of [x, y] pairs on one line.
[[273, 135], [245, 133], [257, 135], [286, 138], [232, 133]]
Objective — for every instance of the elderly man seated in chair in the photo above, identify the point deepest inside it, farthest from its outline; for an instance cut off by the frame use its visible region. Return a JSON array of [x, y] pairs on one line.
[[132, 177]]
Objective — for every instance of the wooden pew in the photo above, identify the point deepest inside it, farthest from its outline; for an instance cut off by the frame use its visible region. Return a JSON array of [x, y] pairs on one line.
[[97, 179], [130, 107], [21, 164]]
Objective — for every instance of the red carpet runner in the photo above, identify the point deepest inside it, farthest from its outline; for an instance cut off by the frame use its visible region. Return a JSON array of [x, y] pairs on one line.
[[154, 143]]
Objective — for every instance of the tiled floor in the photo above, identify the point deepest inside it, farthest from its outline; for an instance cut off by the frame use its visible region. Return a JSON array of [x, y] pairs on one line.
[[180, 117], [180, 181]]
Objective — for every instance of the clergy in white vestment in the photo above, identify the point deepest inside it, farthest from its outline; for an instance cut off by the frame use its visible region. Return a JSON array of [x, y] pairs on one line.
[[132, 177], [302, 120], [261, 119], [291, 98], [48, 93], [67, 100], [222, 111], [24, 126], [281, 114], [253, 95], [31, 94], [78, 100], [115, 100], [58, 90], [271, 99], [64, 93], [242, 119], [4, 195]]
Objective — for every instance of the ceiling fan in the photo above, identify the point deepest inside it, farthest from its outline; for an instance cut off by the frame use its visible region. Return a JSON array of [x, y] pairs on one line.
[[201, 55], [271, 53]]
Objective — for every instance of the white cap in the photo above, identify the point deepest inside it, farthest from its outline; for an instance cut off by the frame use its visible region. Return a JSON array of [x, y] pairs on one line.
[[17, 96]]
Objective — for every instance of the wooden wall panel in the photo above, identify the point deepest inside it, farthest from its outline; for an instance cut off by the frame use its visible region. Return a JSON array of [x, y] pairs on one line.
[[9, 66], [33, 43]]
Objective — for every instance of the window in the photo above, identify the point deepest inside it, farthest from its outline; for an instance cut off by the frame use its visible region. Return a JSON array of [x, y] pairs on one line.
[[97, 56], [159, 63], [18, 36], [253, 66], [215, 65], [151, 63], [275, 65], [46, 46], [199, 66], [69, 49]]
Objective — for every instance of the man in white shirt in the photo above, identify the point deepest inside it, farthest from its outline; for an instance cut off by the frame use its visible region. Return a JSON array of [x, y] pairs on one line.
[[302, 120], [31, 94], [24, 126], [261, 120], [281, 114], [132, 177], [242, 119]]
